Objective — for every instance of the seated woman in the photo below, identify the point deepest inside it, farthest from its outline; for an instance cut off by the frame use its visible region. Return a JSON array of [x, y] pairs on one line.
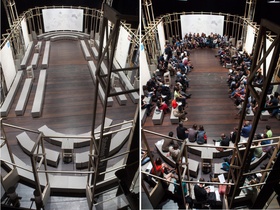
[[175, 103], [180, 96], [162, 170], [201, 135], [162, 106]]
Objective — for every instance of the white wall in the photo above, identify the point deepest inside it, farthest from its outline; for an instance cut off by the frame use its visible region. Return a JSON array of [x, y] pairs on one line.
[[63, 19], [202, 24], [8, 65]]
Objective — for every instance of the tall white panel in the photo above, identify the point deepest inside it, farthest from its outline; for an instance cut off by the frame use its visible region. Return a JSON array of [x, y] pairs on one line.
[[250, 37], [122, 47], [25, 33], [144, 67], [161, 36], [8, 65]]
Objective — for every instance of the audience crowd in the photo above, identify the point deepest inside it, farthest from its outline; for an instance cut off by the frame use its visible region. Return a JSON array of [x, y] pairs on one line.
[[176, 60]]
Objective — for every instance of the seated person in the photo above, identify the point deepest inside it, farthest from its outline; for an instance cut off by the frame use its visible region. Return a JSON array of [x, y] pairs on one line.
[[192, 133], [162, 106], [167, 143], [223, 141], [162, 170], [203, 194], [182, 131], [246, 129], [174, 151], [180, 113], [178, 95], [175, 102], [144, 158], [268, 148], [257, 151], [145, 105], [201, 135], [233, 135], [178, 193]]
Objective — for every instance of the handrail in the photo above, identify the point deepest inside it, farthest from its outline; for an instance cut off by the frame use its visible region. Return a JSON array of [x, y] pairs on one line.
[[74, 136]]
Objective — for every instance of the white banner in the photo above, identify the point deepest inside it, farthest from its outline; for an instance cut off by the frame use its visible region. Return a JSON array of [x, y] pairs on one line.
[[63, 19], [202, 24]]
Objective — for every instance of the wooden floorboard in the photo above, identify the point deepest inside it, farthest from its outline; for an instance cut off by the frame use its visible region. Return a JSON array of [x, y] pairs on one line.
[[68, 101], [209, 104]]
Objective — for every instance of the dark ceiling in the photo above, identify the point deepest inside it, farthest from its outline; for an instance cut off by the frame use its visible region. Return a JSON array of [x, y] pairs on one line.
[[128, 7], [263, 8], [235, 7]]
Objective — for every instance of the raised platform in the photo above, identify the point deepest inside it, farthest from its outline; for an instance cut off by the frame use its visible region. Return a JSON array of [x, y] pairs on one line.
[[216, 154], [59, 184], [78, 142]]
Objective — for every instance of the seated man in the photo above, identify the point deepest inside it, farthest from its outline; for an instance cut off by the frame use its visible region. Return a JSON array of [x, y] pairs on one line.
[[192, 133], [167, 143], [203, 194], [223, 141], [174, 151], [246, 129], [182, 131]]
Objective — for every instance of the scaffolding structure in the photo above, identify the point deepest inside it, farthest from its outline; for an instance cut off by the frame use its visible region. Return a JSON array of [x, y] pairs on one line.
[[97, 160], [239, 167], [95, 182]]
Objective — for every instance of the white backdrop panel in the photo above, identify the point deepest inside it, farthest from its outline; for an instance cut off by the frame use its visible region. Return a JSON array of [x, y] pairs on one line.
[[8, 65], [144, 67], [202, 24], [25, 33], [122, 47], [161, 36], [269, 56], [250, 37], [63, 19]]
